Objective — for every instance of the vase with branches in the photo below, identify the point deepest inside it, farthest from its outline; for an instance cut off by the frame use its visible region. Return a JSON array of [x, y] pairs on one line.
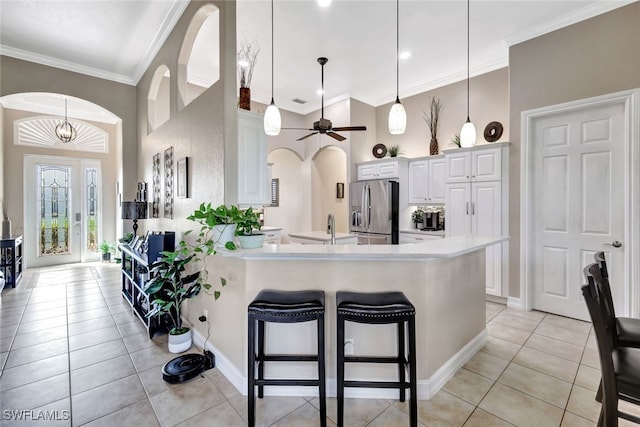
[[247, 59], [433, 121]]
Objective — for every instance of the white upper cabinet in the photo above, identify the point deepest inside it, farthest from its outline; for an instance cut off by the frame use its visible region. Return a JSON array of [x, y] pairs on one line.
[[253, 168], [380, 169], [481, 164], [427, 181]]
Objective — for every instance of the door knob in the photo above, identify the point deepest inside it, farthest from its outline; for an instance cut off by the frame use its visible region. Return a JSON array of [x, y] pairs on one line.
[[615, 244]]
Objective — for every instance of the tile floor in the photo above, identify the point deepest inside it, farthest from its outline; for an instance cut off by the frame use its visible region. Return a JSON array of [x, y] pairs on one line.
[[70, 349]]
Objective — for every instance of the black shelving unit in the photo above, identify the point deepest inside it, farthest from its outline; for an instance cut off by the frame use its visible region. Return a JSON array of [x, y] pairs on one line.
[[135, 274], [11, 260]]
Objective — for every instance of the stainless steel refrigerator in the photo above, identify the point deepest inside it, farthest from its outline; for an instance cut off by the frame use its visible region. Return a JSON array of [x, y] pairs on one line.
[[374, 211]]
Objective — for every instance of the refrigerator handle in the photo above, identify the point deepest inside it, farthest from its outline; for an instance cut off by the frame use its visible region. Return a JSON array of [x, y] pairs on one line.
[[366, 208], [467, 208], [363, 199]]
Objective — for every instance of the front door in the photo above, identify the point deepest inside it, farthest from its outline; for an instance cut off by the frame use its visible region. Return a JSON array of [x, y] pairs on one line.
[[578, 203], [62, 219]]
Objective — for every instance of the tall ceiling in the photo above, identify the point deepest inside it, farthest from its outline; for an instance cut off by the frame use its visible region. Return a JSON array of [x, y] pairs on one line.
[[117, 39]]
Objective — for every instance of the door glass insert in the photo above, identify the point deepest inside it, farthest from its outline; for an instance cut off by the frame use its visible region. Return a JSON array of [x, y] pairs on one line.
[[54, 209], [92, 208]]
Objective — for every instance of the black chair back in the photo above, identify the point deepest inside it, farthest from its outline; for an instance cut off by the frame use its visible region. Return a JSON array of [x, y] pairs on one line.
[[600, 318], [605, 291]]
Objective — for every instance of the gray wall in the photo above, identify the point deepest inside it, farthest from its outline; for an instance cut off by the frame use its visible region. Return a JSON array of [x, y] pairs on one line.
[[198, 131], [594, 57]]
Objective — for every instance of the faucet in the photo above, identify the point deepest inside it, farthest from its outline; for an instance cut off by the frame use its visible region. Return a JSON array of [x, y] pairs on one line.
[[331, 228]]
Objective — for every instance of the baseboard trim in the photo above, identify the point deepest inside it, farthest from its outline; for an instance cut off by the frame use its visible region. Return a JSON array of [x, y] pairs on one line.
[[516, 303], [426, 388]]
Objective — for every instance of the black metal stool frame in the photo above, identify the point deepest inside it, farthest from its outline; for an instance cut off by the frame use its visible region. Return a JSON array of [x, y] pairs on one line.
[[259, 319], [403, 360]]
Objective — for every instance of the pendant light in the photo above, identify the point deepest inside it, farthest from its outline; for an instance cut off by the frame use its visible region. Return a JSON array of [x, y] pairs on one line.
[[468, 131], [64, 131], [272, 119], [397, 115]]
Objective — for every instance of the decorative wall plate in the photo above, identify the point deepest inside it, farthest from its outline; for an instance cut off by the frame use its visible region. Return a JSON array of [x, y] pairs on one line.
[[379, 151], [493, 131]]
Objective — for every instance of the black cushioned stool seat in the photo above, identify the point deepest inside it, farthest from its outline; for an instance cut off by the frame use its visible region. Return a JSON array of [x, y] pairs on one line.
[[378, 308], [284, 307]]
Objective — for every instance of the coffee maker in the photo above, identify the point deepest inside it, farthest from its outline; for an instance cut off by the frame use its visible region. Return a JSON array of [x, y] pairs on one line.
[[431, 220]]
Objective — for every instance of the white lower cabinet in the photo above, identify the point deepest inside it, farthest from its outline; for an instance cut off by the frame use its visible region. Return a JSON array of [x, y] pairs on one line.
[[416, 238]]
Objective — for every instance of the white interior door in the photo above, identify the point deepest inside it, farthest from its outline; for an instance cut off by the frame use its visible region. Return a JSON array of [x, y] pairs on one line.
[[578, 204], [62, 199]]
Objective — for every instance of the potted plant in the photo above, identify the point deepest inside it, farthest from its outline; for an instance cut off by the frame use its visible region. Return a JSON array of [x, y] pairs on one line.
[[433, 121], [169, 288], [106, 248], [221, 221], [416, 217], [247, 223], [394, 151]]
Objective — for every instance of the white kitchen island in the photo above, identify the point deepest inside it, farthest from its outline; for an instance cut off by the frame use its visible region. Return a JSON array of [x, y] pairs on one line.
[[444, 279]]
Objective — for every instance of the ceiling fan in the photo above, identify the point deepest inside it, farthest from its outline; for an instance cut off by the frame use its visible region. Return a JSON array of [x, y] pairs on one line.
[[324, 126]]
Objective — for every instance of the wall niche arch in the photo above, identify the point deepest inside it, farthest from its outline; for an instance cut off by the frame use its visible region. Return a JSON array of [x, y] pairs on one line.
[[199, 58], [159, 99]]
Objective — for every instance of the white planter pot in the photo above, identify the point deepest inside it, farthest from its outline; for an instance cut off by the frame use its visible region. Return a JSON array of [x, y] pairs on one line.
[[223, 233], [251, 241], [180, 343]]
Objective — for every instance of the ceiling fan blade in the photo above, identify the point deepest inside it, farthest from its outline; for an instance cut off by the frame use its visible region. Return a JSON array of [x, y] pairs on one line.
[[298, 129], [349, 128], [307, 136], [336, 136]]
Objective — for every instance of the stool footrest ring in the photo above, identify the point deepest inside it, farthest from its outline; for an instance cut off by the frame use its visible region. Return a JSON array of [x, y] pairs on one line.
[[376, 384], [287, 358], [374, 359], [274, 381]]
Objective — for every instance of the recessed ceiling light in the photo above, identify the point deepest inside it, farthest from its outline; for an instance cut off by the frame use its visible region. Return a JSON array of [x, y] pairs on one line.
[[324, 3], [404, 55]]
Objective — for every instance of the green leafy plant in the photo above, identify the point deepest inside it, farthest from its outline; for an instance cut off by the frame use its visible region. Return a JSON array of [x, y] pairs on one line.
[[416, 216], [106, 247], [394, 151], [126, 238], [169, 287], [246, 222], [456, 140]]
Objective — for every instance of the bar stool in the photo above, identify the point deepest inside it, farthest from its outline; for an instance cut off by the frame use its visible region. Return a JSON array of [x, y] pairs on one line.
[[284, 307], [378, 308]]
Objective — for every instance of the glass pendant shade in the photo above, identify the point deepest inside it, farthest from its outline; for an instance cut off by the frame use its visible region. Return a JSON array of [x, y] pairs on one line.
[[468, 134], [397, 118], [272, 120]]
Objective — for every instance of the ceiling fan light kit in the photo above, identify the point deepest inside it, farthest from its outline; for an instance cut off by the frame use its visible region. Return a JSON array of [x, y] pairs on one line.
[[64, 131], [272, 119], [397, 114], [468, 131]]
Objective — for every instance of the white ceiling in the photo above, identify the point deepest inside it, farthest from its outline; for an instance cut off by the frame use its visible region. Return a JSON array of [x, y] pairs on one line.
[[117, 39]]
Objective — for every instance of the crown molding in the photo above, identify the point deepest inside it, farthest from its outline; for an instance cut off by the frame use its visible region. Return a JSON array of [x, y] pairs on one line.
[[587, 12], [175, 13], [65, 65]]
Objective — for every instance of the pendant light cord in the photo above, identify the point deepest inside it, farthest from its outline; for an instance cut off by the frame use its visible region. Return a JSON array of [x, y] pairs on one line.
[[272, 54], [468, 31], [397, 50]]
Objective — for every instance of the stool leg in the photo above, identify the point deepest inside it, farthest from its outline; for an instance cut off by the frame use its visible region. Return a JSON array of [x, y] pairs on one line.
[[340, 369], [322, 387], [260, 357], [251, 366], [413, 411], [402, 351]]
